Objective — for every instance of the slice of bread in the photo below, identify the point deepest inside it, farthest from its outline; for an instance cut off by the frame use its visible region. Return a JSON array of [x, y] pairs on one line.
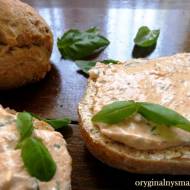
[[13, 173], [173, 160]]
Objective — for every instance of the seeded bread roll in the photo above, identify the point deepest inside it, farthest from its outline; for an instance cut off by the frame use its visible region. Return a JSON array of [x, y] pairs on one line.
[[25, 44], [105, 85]]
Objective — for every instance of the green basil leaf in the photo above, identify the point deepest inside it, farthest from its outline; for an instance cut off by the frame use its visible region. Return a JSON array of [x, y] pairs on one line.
[[75, 44], [85, 66], [185, 127], [157, 114], [55, 123], [116, 112], [37, 159], [58, 123], [161, 115], [24, 125], [146, 37]]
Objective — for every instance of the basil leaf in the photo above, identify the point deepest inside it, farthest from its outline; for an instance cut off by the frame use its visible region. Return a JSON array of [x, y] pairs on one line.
[[162, 116], [75, 44], [116, 112], [58, 123], [85, 66], [157, 114], [24, 125], [37, 159], [146, 37], [55, 123]]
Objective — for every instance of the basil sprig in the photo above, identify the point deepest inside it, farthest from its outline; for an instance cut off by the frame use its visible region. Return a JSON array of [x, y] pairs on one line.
[[35, 155], [157, 114], [37, 159], [76, 45], [85, 66], [55, 123], [146, 37]]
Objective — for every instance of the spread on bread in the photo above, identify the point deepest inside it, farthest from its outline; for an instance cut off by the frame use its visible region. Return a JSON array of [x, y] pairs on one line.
[[156, 128], [166, 84], [15, 175]]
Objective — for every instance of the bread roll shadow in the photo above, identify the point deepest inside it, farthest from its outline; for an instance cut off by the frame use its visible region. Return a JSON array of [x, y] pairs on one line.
[[39, 97]]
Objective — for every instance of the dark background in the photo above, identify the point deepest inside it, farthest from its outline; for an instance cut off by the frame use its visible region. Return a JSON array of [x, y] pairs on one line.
[[59, 93]]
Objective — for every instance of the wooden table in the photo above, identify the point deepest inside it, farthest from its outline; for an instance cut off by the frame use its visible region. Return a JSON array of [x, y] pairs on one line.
[[59, 93]]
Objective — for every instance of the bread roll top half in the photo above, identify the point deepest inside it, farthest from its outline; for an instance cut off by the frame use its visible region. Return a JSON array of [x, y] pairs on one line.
[[26, 43]]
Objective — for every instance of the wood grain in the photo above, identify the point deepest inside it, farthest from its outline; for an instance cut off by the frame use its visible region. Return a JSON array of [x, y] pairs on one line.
[[59, 93]]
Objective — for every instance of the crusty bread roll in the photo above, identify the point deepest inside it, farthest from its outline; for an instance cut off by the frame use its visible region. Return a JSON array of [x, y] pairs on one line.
[[172, 160], [25, 44], [13, 174]]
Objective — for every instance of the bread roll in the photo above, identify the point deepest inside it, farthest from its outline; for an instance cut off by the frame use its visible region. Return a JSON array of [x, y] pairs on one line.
[[14, 175], [25, 45], [109, 83]]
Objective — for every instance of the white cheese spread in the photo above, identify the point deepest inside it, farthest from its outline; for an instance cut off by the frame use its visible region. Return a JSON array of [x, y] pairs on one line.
[[13, 175], [164, 82]]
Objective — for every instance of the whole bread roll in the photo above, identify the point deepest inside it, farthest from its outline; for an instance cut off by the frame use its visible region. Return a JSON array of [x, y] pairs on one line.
[[25, 45]]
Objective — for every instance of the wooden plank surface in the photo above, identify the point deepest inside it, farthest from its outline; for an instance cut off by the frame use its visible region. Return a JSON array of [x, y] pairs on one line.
[[59, 93]]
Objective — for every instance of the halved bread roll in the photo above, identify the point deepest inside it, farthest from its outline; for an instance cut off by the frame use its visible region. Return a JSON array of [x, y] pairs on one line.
[[164, 81], [13, 173], [25, 44]]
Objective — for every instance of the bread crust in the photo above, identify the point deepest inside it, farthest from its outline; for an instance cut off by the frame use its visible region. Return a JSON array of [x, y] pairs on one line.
[[26, 43], [175, 160]]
